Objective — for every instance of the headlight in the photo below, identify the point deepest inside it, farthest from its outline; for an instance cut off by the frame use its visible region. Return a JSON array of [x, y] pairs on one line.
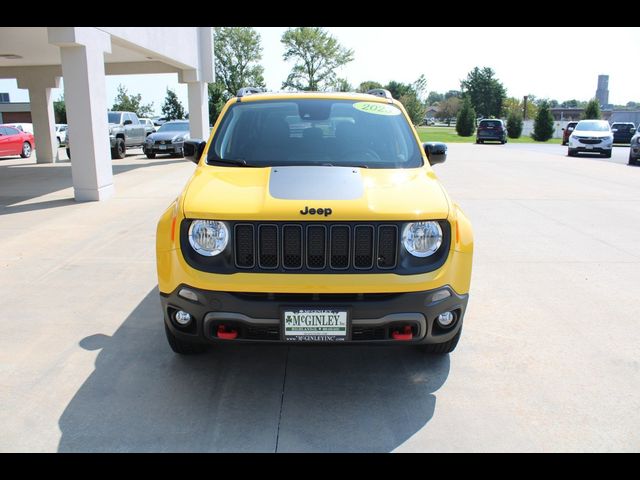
[[208, 237], [178, 140], [149, 139], [422, 239]]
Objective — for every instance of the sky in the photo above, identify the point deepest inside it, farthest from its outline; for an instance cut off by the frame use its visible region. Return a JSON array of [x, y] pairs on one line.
[[559, 63]]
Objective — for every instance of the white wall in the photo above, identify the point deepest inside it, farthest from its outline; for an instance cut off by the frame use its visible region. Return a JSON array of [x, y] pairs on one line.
[[527, 128]]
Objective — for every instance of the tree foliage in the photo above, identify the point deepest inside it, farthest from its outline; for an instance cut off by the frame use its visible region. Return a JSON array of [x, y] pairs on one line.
[[514, 124], [60, 110], [592, 110], [434, 97], [218, 96], [448, 109], [131, 103], [317, 56], [364, 87], [466, 121], [543, 125], [342, 85], [485, 92], [237, 52], [172, 108]]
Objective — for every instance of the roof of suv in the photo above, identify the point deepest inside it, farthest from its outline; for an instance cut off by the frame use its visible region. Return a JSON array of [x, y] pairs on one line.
[[321, 95]]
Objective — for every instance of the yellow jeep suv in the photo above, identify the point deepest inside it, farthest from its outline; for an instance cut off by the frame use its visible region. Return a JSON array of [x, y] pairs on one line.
[[314, 218]]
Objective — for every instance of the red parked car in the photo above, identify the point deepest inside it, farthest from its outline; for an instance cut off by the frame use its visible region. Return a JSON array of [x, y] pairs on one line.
[[566, 132], [15, 142]]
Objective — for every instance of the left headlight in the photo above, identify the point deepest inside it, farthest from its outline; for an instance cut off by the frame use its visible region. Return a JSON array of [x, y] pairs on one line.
[[208, 237], [178, 140], [422, 239]]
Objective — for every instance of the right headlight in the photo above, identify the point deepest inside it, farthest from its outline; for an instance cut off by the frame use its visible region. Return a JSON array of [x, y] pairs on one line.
[[422, 239], [208, 237]]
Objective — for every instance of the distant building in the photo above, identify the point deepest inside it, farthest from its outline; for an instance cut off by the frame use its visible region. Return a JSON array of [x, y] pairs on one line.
[[602, 92], [573, 114], [16, 112]]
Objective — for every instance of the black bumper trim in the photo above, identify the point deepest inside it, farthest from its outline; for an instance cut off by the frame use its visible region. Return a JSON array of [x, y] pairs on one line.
[[367, 312]]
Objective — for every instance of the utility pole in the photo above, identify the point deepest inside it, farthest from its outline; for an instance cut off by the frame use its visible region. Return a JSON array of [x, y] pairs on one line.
[[524, 113]]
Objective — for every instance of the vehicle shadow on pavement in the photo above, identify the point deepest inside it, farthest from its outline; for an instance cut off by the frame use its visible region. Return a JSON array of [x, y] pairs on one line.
[[142, 397]]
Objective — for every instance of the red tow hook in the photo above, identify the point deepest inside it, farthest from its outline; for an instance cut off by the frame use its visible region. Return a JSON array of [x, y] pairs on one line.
[[226, 335], [406, 334]]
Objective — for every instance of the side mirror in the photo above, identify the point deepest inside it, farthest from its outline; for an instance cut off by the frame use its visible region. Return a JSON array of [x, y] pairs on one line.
[[193, 149], [436, 152], [127, 122], [563, 129]]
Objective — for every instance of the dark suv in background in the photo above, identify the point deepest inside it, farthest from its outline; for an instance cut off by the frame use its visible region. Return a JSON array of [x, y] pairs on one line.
[[622, 132], [567, 131], [494, 130]]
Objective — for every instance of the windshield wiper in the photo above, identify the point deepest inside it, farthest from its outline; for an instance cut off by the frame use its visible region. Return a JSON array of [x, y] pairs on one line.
[[231, 161]]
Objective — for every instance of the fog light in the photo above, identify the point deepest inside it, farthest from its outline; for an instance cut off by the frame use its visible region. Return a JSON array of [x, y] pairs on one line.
[[188, 294], [446, 319], [182, 318]]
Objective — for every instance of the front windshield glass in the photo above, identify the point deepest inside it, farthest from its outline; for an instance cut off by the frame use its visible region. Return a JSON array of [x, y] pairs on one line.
[[315, 132], [593, 125], [174, 127], [114, 117]]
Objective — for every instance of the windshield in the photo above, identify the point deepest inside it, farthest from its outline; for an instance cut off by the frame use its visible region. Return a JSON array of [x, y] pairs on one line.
[[316, 132], [114, 117], [174, 127], [490, 123], [593, 125]]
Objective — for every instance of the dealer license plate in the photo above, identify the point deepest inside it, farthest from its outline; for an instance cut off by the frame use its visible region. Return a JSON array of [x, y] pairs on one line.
[[315, 325], [162, 147]]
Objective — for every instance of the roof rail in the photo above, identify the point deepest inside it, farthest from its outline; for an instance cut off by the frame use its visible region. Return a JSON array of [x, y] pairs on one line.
[[380, 92], [244, 91]]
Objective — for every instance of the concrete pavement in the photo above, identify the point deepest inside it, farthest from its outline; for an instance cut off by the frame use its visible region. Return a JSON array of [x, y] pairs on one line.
[[547, 361]]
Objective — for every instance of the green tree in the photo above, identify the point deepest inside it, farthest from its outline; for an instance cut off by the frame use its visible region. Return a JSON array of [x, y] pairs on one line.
[[218, 96], [60, 110], [485, 92], [434, 97], [237, 51], [414, 107], [570, 103], [172, 108], [514, 124], [592, 110], [342, 85], [453, 93], [317, 56], [466, 121], [543, 125], [398, 89], [131, 103], [364, 87], [448, 109]]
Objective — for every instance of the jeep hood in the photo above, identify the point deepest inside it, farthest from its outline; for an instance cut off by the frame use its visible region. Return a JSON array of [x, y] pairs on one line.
[[280, 193]]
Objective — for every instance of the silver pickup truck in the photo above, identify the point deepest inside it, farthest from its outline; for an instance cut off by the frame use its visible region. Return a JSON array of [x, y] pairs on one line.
[[125, 131]]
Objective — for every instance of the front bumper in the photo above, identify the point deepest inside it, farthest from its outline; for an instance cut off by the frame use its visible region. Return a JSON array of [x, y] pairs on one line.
[[168, 148], [257, 316]]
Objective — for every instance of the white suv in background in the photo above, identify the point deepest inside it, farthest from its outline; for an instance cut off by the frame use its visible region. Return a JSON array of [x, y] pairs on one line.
[[591, 136]]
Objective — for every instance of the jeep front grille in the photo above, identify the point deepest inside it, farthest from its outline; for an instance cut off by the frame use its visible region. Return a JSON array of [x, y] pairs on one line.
[[315, 247]]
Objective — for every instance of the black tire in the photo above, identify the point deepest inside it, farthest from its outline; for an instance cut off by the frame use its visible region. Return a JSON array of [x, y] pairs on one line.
[[68, 153], [632, 161], [564, 144], [442, 348], [26, 150], [571, 152], [181, 347], [607, 155], [120, 150], [150, 155], [477, 141]]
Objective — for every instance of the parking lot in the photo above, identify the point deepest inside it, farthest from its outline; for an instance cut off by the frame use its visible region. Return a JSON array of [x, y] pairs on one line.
[[547, 361]]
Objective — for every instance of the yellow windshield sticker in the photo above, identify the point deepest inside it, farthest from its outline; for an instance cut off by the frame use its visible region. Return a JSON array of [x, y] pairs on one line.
[[376, 108]]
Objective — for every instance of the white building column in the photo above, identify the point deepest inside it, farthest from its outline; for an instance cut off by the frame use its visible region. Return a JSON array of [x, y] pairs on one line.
[[82, 50], [198, 110], [39, 81]]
